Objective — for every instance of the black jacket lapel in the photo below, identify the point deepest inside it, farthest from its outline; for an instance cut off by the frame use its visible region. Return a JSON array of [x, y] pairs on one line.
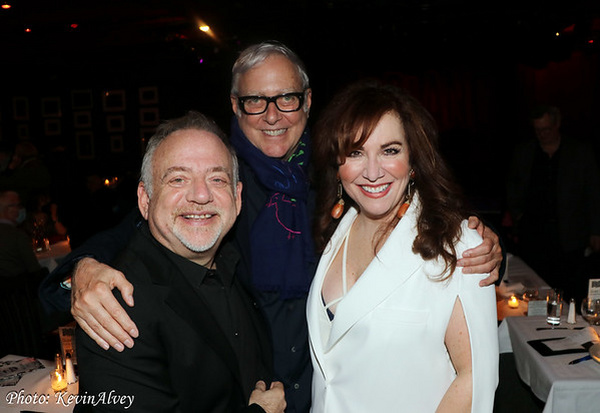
[[188, 305]]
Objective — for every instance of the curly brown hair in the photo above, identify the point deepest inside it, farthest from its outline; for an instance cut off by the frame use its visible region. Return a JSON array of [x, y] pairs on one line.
[[346, 124]]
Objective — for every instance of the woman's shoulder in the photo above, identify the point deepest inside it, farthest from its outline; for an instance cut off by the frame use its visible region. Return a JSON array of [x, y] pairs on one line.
[[468, 238]]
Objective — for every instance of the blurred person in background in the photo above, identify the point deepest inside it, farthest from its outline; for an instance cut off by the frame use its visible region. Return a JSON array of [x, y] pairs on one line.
[[553, 196], [16, 249], [27, 174]]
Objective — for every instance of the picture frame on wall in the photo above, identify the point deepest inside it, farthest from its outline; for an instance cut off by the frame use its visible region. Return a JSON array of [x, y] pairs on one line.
[[51, 107], [20, 108], [113, 100], [82, 99], [52, 127], [116, 143], [148, 95], [149, 116], [22, 131], [84, 143], [82, 119], [115, 123]]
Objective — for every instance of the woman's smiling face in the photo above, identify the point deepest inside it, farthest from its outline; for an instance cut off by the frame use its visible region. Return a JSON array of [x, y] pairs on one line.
[[376, 175]]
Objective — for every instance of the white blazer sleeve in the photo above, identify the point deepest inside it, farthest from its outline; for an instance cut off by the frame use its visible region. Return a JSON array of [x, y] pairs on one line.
[[479, 306]]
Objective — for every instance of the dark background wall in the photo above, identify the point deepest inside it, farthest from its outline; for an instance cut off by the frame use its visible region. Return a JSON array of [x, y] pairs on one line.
[[91, 80]]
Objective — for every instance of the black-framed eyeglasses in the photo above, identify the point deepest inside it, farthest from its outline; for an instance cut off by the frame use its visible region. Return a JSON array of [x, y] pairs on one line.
[[287, 102]]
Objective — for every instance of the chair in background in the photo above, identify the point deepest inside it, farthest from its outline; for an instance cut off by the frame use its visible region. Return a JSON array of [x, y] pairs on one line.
[[21, 330]]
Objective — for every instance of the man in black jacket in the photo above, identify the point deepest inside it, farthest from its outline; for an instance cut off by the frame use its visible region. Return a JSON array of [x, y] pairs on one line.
[[553, 195], [202, 344]]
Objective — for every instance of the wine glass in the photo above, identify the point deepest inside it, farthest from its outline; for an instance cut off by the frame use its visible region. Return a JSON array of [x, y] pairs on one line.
[[530, 294], [590, 311]]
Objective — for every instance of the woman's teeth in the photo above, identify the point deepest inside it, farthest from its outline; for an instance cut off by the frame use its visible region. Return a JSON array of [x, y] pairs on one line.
[[375, 189]]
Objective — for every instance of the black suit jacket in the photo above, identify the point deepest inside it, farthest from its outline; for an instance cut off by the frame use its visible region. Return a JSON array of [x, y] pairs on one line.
[[182, 361]]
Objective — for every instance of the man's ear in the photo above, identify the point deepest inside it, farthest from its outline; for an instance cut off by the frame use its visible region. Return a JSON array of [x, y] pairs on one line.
[[307, 100], [234, 105], [143, 200], [238, 197]]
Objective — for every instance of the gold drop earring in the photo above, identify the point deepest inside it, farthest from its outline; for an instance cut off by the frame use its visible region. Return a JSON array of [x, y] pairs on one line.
[[404, 207], [338, 208]]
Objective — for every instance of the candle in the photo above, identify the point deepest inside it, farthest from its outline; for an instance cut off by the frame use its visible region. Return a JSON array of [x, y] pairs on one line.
[[513, 302], [58, 380]]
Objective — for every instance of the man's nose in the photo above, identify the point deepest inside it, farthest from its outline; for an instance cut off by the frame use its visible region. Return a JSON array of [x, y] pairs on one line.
[[272, 114], [200, 192]]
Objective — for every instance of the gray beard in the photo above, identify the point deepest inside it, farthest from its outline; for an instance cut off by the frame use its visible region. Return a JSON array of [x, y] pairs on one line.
[[195, 247]]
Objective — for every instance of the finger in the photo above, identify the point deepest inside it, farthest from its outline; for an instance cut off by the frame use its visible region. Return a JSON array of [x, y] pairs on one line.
[[113, 307], [98, 281], [125, 287], [485, 248], [97, 333], [473, 222], [120, 316], [93, 320], [482, 268], [86, 328], [260, 385], [493, 277], [277, 385], [480, 260], [103, 313]]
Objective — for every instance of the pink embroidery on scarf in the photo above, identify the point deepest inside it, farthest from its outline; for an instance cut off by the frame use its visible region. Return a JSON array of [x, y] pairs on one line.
[[278, 197]]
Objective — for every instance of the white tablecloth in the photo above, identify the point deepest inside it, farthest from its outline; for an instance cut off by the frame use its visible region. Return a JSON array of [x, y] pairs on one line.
[[518, 277], [564, 387], [35, 384], [52, 257], [517, 271]]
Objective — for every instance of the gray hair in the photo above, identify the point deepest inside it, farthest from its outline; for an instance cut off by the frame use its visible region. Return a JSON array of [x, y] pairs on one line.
[[258, 53], [192, 120]]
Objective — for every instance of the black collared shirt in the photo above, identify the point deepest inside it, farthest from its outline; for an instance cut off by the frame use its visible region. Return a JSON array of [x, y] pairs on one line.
[[223, 294]]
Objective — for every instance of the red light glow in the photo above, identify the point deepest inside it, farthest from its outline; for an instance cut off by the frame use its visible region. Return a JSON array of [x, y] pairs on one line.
[[6, 6]]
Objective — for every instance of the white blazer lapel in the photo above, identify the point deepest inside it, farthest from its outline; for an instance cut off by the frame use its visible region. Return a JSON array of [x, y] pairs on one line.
[[318, 322], [394, 265]]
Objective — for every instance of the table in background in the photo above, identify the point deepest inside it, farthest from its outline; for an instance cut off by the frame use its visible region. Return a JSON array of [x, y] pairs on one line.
[[564, 387], [519, 276], [52, 257], [36, 382]]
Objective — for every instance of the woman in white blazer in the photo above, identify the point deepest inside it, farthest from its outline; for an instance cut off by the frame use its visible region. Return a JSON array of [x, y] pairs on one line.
[[394, 325]]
